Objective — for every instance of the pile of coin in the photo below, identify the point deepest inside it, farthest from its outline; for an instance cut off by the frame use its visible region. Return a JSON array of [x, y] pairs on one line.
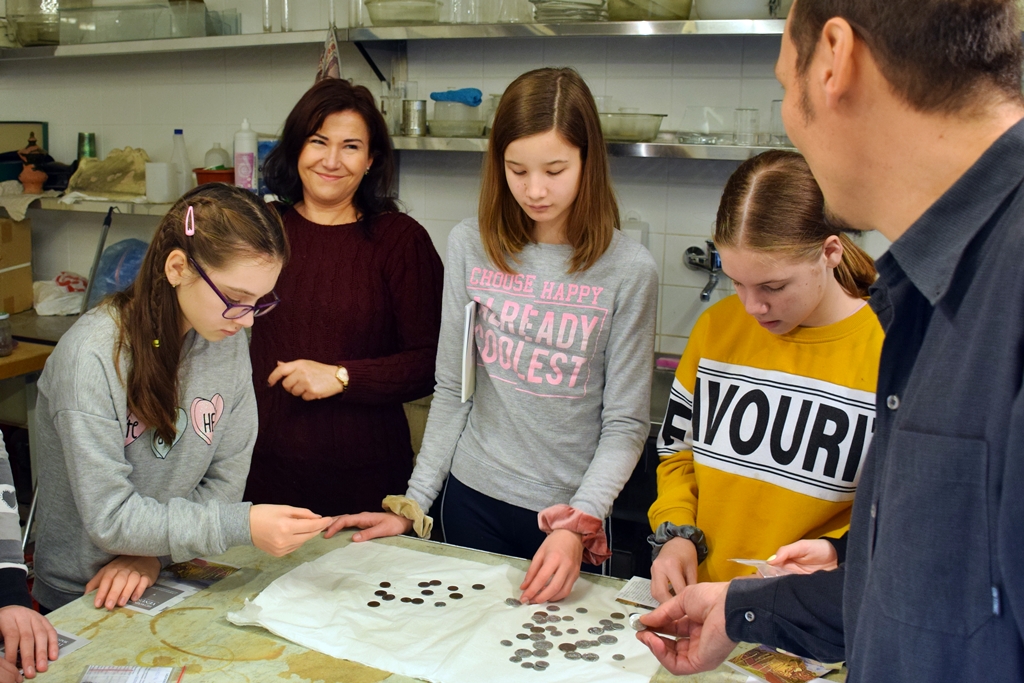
[[545, 625]]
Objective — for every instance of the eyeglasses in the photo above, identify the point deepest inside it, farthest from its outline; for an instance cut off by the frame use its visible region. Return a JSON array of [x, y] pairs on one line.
[[236, 311]]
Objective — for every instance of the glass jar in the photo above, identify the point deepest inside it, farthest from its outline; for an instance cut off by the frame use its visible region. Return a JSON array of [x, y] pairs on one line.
[[6, 340]]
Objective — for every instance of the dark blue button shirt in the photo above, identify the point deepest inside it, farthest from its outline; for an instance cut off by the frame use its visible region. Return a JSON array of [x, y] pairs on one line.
[[934, 577]]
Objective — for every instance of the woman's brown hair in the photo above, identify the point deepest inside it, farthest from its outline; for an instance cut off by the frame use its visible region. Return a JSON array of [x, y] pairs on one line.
[[230, 223], [773, 203], [537, 102], [375, 194]]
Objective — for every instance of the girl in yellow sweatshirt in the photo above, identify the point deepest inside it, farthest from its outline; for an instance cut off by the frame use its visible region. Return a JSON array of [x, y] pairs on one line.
[[772, 408]]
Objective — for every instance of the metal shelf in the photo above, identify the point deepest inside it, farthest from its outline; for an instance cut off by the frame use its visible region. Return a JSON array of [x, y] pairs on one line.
[[741, 27], [647, 150], [170, 45], [130, 208]]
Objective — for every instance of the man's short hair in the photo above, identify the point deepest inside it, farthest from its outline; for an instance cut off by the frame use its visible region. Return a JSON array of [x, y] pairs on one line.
[[940, 56]]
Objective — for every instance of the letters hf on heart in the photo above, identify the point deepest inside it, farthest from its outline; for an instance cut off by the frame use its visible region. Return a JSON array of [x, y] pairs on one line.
[[205, 414]]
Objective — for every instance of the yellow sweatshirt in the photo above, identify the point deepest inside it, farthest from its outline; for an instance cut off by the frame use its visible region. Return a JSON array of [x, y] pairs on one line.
[[764, 435]]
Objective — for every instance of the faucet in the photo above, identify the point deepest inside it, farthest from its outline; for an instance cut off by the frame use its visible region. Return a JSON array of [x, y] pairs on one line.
[[708, 261]]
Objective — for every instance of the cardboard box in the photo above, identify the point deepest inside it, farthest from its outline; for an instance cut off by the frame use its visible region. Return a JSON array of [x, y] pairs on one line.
[[15, 265]]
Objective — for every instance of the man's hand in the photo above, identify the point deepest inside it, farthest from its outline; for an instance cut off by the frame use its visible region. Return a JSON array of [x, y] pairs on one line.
[[697, 617]]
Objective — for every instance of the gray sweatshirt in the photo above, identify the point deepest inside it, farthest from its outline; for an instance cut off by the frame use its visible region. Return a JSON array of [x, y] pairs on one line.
[[109, 486], [13, 586], [562, 403]]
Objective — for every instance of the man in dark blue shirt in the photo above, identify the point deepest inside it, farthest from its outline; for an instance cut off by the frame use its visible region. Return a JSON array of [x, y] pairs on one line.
[[910, 116]]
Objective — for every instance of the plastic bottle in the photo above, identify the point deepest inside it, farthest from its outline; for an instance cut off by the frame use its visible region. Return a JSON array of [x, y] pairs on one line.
[[179, 157], [245, 157], [217, 156]]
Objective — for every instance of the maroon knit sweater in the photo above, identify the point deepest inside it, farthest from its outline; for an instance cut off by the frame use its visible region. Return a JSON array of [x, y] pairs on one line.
[[373, 304]]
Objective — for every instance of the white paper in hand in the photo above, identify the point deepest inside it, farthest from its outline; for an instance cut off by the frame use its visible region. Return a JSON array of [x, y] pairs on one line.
[[469, 353]]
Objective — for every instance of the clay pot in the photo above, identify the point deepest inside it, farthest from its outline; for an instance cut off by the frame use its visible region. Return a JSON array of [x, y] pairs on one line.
[[32, 179]]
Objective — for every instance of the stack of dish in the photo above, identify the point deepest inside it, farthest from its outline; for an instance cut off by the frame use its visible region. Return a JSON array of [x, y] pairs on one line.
[[403, 12], [456, 120], [630, 127], [558, 11], [648, 10]]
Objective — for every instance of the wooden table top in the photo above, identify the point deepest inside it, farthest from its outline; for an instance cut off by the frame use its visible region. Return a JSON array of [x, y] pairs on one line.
[[196, 634], [26, 358]]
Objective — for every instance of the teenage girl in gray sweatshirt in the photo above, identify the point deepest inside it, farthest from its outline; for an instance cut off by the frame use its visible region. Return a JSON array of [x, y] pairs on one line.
[[564, 333], [146, 414]]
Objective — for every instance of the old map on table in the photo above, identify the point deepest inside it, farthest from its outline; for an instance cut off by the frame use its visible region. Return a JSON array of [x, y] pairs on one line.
[[447, 620]]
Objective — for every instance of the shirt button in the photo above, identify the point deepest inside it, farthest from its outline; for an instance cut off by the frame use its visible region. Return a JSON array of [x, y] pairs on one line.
[[874, 510], [749, 616], [893, 402]]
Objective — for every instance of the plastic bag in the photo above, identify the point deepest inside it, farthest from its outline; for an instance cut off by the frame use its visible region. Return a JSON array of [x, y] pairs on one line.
[[117, 269], [60, 296]]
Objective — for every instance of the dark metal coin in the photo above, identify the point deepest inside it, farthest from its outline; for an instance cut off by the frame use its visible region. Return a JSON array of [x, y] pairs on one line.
[[606, 622], [582, 644], [389, 596], [615, 627], [423, 584], [541, 665], [536, 629], [478, 586], [551, 628], [435, 582], [426, 591], [527, 626], [618, 615], [385, 584], [523, 636], [539, 620], [574, 655], [455, 596], [618, 658], [607, 640], [522, 652], [507, 643], [554, 618], [380, 593], [540, 614], [514, 659], [581, 610], [553, 608], [406, 599], [417, 601], [590, 657], [556, 633], [568, 617], [566, 647], [594, 630], [536, 636], [453, 588], [571, 631], [544, 645], [527, 665], [594, 643], [540, 653], [439, 604], [512, 602], [373, 603]]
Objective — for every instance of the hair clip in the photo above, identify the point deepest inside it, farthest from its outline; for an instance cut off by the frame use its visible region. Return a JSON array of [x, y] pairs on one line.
[[190, 222], [156, 343]]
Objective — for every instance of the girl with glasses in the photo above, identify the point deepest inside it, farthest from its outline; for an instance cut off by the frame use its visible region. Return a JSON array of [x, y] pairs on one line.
[[146, 413]]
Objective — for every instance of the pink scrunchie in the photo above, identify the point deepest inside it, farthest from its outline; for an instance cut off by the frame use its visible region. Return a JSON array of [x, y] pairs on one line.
[[595, 543]]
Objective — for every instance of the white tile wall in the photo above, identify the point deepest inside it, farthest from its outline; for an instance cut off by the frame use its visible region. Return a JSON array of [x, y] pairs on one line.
[[138, 100]]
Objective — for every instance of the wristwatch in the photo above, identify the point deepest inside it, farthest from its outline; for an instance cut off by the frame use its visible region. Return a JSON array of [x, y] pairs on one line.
[[342, 376], [667, 531]]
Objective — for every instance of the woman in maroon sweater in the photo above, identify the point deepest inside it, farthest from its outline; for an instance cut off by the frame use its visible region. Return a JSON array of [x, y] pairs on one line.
[[356, 333]]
